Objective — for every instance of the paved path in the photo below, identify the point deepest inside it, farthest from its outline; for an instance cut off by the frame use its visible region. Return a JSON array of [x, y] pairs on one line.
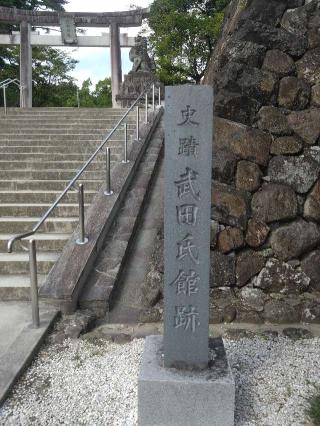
[[18, 340]]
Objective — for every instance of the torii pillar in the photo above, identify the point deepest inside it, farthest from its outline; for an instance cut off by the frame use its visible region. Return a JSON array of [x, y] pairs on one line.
[[25, 66], [116, 70]]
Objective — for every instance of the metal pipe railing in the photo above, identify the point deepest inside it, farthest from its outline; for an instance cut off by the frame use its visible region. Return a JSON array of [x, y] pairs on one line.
[[146, 109], [34, 284], [83, 239], [138, 124], [125, 147], [108, 190], [4, 84]]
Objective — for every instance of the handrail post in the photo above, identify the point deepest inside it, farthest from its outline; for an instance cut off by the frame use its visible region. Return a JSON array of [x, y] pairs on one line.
[[138, 124], [125, 152], [108, 190], [146, 109], [159, 94], [4, 100], [153, 97], [82, 239], [34, 284], [78, 97]]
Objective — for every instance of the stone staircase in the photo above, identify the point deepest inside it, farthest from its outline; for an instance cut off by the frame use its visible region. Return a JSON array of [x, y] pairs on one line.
[[41, 149]]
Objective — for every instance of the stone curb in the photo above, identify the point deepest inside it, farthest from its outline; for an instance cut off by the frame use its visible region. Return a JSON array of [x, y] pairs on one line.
[[21, 353]]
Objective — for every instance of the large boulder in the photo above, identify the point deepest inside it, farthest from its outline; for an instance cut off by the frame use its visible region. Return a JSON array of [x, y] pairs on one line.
[[222, 270], [299, 172], [274, 202], [312, 205], [245, 142], [280, 277], [310, 265], [295, 20], [281, 312], [308, 67], [274, 120], [224, 164], [249, 264], [258, 84], [315, 95], [229, 206], [273, 38], [278, 63], [293, 240], [248, 176], [253, 298], [294, 93], [236, 107], [230, 239], [306, 124], [257, 233], [286, 145]]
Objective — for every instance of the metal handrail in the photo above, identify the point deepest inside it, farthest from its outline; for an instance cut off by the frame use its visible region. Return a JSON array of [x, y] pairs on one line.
[[8, 81], [108, 192], [3, 85], [72, 182]]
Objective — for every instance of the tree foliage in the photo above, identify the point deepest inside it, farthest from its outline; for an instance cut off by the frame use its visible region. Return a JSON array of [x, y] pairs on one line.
[[101, 96], [183, 36]]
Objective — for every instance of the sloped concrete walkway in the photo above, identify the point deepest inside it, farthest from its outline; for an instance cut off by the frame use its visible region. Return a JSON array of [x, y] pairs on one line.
[[127, 305], [19, 341]]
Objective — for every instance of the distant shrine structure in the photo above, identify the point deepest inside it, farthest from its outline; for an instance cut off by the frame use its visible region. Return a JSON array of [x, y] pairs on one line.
[[68, 22]]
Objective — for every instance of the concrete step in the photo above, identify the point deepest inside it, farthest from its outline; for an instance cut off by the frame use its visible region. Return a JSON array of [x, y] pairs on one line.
[[17, 287], [39, 197], [81, 148], [56, 137], [67, 124], [33, 164], [17, 225], [48, 185], [44, 242], [49, 174], [65, 110], [60, 128], [18, 263], [31, 209]]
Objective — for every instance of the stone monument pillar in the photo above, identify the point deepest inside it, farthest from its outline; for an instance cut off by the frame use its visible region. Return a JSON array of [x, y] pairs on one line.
[[116, 70], [25, 66], [185, 378]]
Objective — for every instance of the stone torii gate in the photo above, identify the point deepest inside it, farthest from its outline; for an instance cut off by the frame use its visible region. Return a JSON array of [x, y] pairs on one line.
[[28, 19]]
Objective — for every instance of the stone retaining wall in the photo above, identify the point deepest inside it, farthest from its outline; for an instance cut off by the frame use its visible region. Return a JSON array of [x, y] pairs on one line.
[[266, 162]]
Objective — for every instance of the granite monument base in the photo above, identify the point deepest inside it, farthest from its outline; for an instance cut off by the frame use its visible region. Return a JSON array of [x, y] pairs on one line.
[[170, 397]]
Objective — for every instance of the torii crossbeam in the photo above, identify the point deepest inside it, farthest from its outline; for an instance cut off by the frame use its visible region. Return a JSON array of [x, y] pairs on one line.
[[28, 19]]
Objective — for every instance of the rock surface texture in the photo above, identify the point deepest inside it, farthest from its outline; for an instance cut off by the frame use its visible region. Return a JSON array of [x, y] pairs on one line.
[[265, 71]]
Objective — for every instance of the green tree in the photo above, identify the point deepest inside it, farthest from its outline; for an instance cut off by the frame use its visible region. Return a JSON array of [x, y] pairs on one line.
[[183, 36], [99, 97], [103, 93]]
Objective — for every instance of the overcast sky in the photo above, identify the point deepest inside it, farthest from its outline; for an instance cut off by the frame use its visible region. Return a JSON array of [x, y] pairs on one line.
[[94, 63]]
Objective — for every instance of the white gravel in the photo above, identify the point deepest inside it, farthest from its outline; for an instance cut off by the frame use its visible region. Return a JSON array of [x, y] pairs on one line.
[[82, 383]]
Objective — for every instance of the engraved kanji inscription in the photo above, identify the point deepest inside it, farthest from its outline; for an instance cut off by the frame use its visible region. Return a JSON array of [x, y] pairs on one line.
[[187, 214], [186, 247], [188, 146], [186, 283], [185, 184], [187, 115], [187, 317]]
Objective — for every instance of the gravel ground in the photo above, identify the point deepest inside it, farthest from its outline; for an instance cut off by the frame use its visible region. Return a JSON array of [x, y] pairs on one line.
[[83, 383]]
